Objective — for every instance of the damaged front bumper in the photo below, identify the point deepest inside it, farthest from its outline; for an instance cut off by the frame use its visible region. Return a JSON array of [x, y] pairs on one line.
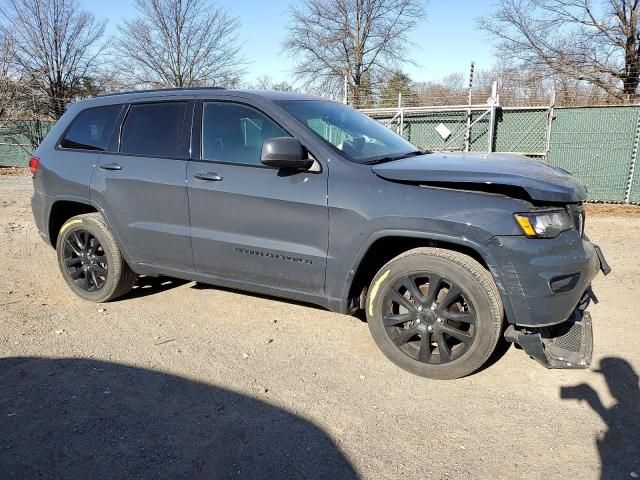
[[564, 345]]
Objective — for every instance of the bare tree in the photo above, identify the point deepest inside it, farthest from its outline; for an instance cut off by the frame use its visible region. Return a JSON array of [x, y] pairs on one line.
[[266, 82], [180, 43], [56, 44], [357, 39], [594, 42], [9, 81]]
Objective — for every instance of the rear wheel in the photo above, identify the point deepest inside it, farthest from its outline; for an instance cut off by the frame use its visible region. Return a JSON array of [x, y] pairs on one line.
[[90, 260], [435, 313]]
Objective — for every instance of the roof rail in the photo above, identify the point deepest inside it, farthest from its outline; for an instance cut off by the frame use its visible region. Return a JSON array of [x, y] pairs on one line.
[[173, 89]]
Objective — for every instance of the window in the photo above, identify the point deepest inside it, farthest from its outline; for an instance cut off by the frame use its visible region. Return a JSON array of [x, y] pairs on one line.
[[235, 133], [154, 129], [91, 129], [360, 138]]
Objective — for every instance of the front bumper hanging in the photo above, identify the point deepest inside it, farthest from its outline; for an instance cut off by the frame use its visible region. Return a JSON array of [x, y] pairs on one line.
[[566, 345]]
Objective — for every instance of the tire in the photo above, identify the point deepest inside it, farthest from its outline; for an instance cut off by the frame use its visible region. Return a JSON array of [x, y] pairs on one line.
[[443, 337], [111, 277]]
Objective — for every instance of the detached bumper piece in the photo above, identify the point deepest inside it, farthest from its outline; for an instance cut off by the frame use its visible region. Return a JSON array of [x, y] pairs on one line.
[[566, 345]]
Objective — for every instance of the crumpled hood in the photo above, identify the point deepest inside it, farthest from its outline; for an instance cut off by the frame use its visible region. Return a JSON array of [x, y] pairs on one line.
[[541, 182]]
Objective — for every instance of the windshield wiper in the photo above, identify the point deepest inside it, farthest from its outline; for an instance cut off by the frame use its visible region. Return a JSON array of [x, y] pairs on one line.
[[391, 158]]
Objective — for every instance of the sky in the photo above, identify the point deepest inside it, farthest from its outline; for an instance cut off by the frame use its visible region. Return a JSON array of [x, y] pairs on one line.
[[446, 42]]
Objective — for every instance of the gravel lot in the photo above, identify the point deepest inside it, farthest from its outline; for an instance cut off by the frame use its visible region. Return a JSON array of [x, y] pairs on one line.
[[185, 380]]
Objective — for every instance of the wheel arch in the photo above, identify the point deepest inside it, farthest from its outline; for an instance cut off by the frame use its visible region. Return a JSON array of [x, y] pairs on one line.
[[384, 245], [65, 207], [62, 209]]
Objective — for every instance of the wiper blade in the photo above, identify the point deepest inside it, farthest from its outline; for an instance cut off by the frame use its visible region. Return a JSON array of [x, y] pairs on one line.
[[391, 158]]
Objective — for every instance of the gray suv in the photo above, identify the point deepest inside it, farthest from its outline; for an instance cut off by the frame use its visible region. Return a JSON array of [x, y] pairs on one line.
[[299, 197]]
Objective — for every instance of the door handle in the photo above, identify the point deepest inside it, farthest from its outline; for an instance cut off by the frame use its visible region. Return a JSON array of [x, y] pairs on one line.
[[111, 166], [208, 176]]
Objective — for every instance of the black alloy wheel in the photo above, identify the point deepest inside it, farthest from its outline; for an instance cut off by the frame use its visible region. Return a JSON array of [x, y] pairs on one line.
[[85, 260], [429, 318]]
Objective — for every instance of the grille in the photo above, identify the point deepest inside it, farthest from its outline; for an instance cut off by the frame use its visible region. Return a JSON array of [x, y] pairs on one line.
[[571, 339]]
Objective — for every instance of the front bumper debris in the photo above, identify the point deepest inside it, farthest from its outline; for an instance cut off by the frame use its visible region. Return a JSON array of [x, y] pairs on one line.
[[566, 345], [604, 266]]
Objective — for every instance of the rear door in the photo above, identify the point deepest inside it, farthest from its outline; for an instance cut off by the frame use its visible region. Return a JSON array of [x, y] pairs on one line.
[[142, 187], [250, 222]]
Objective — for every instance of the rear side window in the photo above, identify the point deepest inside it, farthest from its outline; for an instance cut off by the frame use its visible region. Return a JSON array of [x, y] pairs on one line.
[[154, 129], [91, 129]]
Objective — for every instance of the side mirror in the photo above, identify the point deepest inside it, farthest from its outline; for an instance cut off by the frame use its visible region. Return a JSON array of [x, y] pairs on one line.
[[286, 153]]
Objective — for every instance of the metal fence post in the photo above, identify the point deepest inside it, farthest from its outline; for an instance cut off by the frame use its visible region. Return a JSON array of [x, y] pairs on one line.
[[467, 137], [632, 165], [547, 147], [492, 117], [401, 125]]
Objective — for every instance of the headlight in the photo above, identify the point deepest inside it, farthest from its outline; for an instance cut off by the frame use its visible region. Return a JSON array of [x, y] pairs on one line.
[[544, 224]]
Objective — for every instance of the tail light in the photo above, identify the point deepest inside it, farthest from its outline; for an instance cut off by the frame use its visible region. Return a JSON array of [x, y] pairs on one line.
[[33, 164]]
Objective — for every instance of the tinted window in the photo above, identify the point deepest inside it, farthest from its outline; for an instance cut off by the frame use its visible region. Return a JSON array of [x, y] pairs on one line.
[[92, 128], [235, 133], [359, 137], [154, 129]]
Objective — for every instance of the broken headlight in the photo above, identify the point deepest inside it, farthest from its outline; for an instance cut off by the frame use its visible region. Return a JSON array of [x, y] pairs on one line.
[[544, 223]]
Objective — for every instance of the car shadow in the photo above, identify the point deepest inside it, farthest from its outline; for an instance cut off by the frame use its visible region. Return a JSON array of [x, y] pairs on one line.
[[145, 286], [80, 418], [619, 447]]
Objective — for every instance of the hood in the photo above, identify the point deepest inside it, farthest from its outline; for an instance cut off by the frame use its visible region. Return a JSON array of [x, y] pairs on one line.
[[540, 181]]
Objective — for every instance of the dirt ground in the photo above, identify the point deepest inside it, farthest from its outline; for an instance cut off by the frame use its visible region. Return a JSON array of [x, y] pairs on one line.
[[182, 380]]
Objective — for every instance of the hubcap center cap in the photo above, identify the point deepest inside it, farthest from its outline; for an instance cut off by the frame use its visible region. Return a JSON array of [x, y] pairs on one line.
[[426, 316]]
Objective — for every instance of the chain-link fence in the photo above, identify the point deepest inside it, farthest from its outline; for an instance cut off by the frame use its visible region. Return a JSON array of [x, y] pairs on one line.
[[450, 129], [14, 147], [522, 130], [599, 145]]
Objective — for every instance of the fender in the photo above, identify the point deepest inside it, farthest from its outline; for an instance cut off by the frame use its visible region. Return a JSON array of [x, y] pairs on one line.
[[477, 247]]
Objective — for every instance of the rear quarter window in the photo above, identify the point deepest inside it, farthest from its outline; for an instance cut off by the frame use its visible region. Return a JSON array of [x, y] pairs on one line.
[[91, 129]]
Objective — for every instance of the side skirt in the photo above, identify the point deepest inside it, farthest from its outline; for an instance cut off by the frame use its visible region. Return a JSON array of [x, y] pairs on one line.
[[190, 275]]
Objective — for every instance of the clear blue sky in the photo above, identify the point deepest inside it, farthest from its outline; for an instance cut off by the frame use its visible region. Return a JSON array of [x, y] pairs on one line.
[[445, 42]]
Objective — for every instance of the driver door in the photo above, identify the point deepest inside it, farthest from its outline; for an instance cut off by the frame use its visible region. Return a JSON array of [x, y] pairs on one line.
[[249, 222]]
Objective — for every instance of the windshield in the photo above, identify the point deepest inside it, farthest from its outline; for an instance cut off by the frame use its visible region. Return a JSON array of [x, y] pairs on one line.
[[360, 138]]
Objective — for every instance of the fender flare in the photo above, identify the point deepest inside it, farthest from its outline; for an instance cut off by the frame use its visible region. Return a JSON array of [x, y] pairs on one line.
[[88, 201], [474, 245]]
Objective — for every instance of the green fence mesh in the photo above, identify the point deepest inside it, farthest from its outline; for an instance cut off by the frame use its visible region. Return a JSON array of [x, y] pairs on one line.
[[522, 131], [15, 144], [596, 144], [12, 155]]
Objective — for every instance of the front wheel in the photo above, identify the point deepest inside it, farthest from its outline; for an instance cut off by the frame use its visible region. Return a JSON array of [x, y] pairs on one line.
[[90, 260], [436, 313]]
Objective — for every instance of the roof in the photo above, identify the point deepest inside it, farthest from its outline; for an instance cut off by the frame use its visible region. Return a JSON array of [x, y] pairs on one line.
[[200, 92]]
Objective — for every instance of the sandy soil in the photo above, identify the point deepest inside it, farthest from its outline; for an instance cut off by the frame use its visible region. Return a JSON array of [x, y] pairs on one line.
[[181, 380]]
